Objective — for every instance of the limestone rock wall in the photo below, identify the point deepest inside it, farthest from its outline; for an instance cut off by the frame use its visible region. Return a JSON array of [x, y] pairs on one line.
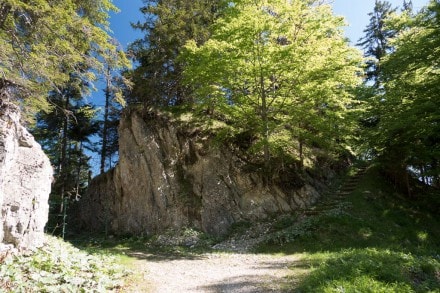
[[25, 182], [170, 177]]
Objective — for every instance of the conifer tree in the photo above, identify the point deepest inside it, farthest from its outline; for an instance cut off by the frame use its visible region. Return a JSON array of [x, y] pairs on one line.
[[42, 43], [376, 42], [169, 24], [64, 134]]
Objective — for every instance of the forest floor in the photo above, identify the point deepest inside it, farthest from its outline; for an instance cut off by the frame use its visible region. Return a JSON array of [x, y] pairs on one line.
[[362, 237]]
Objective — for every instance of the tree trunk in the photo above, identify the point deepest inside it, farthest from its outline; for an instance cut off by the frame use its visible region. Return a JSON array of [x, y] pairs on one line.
[[78, 170], [105, 126], [265, 120], [63, 160], [301, 154]]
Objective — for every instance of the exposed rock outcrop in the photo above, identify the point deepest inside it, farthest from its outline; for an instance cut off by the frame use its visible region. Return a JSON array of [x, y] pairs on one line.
[[171, 177], [25, 182]]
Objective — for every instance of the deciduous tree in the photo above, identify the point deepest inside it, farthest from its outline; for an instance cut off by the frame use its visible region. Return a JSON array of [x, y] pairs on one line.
[[281, 70], [407, 136]]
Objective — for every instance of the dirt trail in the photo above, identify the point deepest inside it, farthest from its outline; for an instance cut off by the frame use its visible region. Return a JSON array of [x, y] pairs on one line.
[[213, 272]]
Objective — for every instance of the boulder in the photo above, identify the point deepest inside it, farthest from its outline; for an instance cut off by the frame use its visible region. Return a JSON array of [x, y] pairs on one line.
[[25, 183]]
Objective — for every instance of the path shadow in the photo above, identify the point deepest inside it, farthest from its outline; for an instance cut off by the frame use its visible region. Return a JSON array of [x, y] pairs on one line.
[[138, 248], [248, 284]]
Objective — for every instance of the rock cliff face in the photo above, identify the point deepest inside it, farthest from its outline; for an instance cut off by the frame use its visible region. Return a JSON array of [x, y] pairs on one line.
[[170, 177], [25, 182]]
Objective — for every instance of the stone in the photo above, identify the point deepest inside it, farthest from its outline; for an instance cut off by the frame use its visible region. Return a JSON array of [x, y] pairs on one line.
[[25, 183], [171, 176]]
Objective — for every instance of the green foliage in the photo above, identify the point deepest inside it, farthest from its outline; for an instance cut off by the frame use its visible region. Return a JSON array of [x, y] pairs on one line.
[[43, 43], [65, 133], [376, 42], [373, 241], [169, 24], [59, 267], [407, 132], [280, 70]]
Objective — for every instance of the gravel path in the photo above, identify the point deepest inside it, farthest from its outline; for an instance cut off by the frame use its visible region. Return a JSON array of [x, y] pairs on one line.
[[213, 272]]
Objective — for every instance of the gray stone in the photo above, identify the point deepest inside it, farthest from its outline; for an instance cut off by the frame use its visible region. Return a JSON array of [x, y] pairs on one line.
[[25, 182], [170, 177]]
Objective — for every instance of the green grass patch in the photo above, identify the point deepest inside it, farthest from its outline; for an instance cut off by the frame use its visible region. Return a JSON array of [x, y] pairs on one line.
[[370, 270], [375, 240]]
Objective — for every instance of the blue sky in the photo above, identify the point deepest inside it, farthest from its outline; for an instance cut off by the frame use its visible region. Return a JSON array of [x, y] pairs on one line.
[[355, 12]]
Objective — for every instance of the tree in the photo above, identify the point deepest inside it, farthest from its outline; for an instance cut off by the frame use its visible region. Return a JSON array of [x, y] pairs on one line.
[[408, 6], [169, 24], [114, 102], [376, 42], [44, 42], [64, 134], [407, 137], [281, 70]]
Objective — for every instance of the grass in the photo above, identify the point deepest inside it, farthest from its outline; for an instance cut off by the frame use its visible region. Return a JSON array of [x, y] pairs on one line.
[[374, 241]]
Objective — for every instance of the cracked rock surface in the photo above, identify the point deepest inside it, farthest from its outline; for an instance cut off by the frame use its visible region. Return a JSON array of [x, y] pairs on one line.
[[25, 183]]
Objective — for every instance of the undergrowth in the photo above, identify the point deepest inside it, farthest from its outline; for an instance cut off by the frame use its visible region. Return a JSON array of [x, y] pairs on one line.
[[375, 240], [60, 267]]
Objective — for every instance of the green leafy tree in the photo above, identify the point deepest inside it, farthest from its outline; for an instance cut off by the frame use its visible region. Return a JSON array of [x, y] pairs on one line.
[[408, 134], [169, 24], [42, 43], [280, 70]]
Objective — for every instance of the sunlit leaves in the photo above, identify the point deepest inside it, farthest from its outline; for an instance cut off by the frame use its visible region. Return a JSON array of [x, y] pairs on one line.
[[409, 127], [276, 65]]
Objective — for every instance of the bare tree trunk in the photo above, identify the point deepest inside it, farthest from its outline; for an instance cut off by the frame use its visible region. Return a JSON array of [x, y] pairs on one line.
[[63, 160], [265, 120], [301, 153], [105, 126], [78, 170]]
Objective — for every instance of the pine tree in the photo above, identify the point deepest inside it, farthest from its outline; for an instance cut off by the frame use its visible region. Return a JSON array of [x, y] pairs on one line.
[[114, 102], [376, 42], [112, 110], [408, 6], [64, 134], [169, 24], [42, 43]]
